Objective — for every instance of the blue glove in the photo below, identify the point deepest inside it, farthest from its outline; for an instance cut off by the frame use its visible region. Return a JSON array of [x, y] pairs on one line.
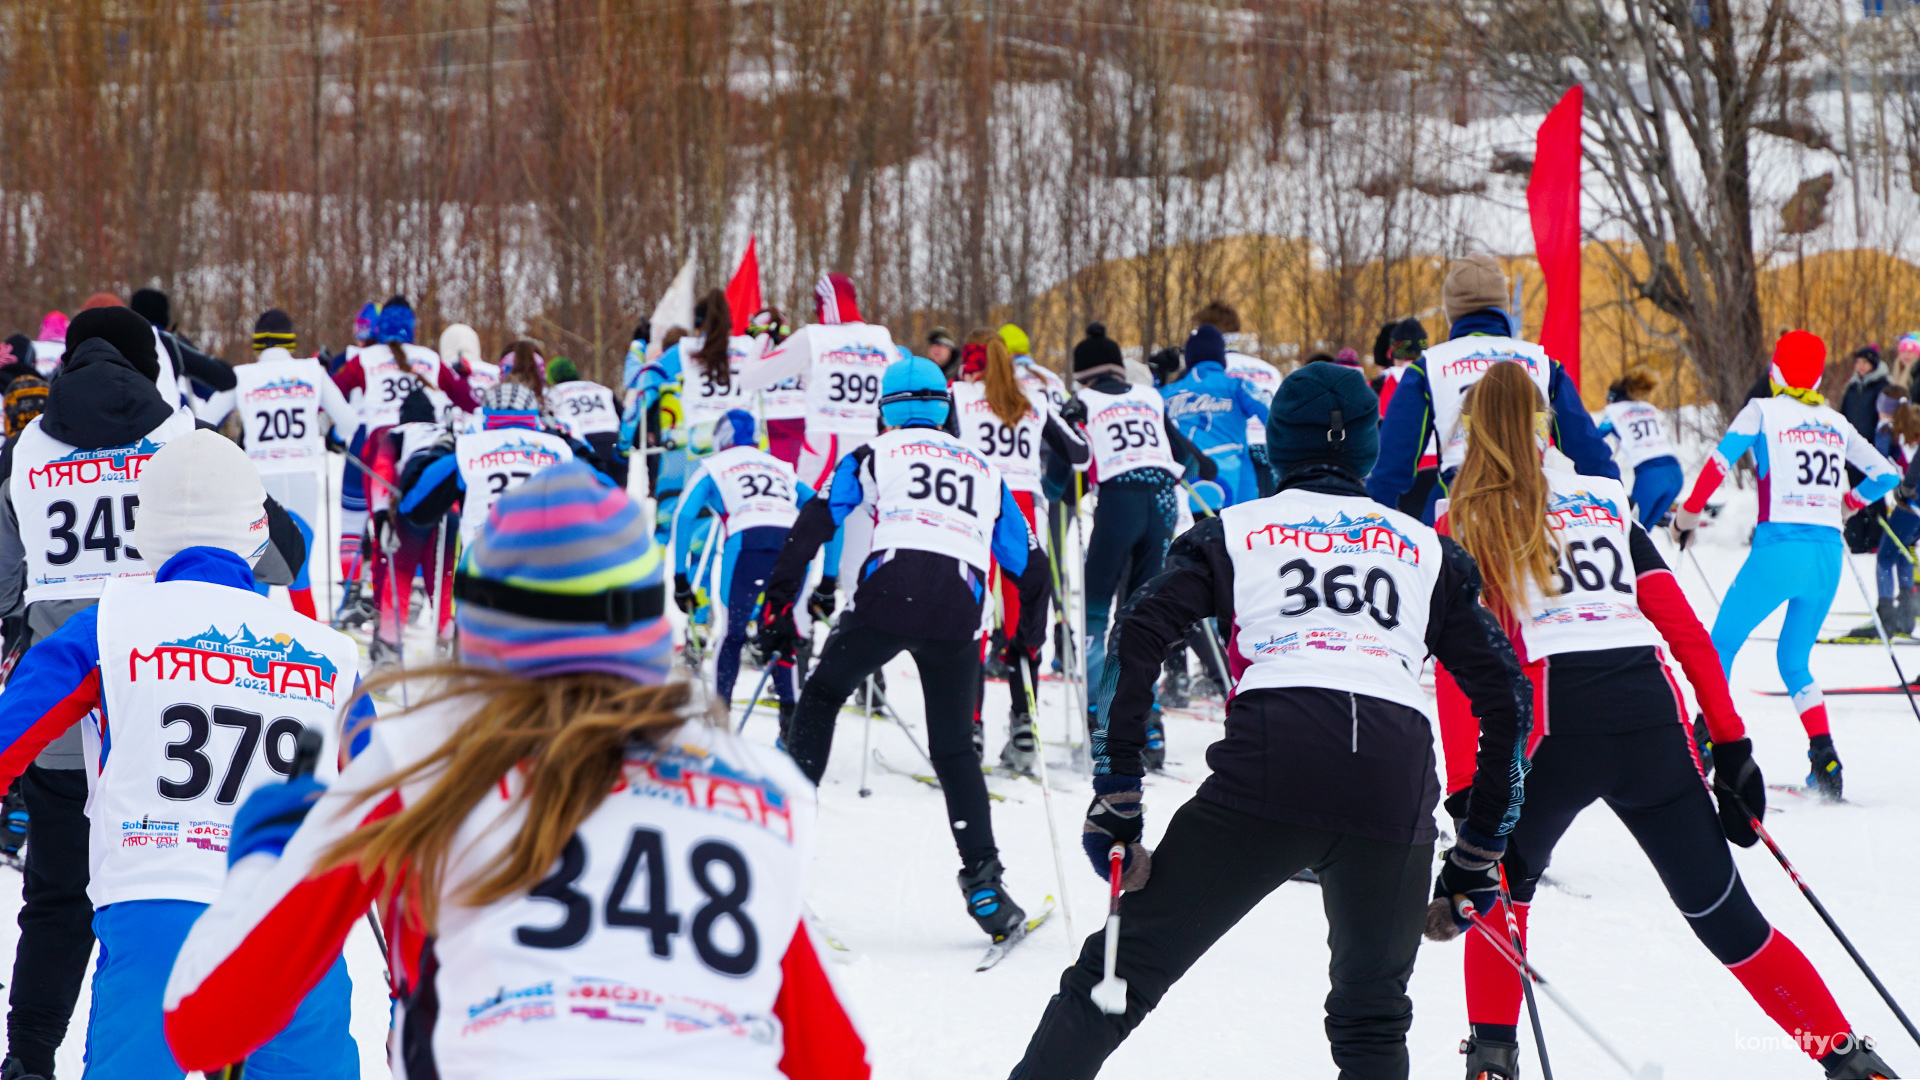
[[1116, 816], [271, 815]]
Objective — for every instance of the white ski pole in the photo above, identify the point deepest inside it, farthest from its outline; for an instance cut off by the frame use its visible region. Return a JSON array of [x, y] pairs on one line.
[[1040, 758], [330, 545], [1110, 993]]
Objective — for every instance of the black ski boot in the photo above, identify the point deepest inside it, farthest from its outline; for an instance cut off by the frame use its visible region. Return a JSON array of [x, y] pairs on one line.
[[13, 826], [1175, 690], [1488, 1059], [1154, 757], [1888, 618], [1859, 1062], [1826, 767], [355, 609], [13, 1070], [988, 902], [1703, 740], [382, 654], [786, 721], [1906, 611], [1022, 747], [1206, 689], [979, 738]]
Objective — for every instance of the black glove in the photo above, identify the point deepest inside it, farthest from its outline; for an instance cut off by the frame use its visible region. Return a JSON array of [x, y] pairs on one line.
[[1074, 411], [1116, 816], [683, 593], [778, 636], [1469, 881], [1209, 468], [1736, 780], [821, 604]]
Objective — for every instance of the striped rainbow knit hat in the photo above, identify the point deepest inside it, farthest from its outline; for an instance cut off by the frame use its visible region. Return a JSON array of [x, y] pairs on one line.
[[565, 577]]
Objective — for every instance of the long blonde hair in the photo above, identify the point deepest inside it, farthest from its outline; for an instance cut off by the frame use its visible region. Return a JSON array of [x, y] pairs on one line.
[[1005, 396], [1497, 504], [568, 734]]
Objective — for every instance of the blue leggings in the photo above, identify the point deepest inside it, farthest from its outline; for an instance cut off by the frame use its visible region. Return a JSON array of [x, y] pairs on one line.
[[1802, 573], [125, 1039], [1656, 481], [1891, 571], [745, 575]]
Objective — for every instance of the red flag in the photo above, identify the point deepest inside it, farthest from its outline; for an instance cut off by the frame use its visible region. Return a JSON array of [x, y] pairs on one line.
[[1553, 201], [743, 292]]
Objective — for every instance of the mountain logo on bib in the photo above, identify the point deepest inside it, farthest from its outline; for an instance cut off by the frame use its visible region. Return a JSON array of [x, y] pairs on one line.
[[517, 453], [1480, 361], [1812, 433], [281, 389], [1344, 534], [277, 665], [1583, 508], [107, 464]]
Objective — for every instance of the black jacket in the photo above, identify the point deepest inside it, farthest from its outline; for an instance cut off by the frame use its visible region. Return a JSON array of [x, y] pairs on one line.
[[1858, 403], [188, 362], [1324, 758], [97, 400]]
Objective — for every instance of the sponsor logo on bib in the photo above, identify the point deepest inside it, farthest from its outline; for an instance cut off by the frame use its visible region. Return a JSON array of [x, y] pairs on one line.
[[209, 835], [1582, 508], [525, 1003], [282, 389], [278, 665], [106, 464], [691, 777], [149, 833], [1480, 362], [1809, 433], [1344, 534], [517, 453]]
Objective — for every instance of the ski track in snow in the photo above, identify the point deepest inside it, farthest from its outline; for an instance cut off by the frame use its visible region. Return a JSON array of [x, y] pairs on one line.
[[883, 882]]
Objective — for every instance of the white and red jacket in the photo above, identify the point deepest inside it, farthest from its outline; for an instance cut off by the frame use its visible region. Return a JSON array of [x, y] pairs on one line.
[[668, 942]]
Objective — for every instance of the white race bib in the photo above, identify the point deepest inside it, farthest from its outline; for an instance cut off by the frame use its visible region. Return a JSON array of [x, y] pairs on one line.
[[1332, 591], [934, 493], [206, 689], [583, 408], [279, 406], [493, 463], [1128, 432], [1015, 450], [388, 383], [1452, 369], [843, 380], [703, 399], [756, 489], [1597, 606], [1642, 431], [78, 509]]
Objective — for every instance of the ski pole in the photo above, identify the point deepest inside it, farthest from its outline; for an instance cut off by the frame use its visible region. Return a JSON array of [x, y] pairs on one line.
[[1039, 757], [1649, 1071], [354, 459], [1704, 580], [1110, 993], [1884, 640], [1821, 909], [1520, 950], [764, 672], [866, 752]]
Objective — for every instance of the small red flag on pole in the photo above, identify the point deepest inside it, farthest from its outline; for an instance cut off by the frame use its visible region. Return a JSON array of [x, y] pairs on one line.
[[1553, 202], [743, 292]]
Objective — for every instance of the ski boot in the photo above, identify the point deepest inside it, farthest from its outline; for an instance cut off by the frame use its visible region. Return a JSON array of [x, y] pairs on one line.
[[1826, 767], [786, 721], [988, 902], [996, 667], [1703, 741], [1868, 630], [1488, 1059], [383, 654], [355, 609], [863, 702], [1022, 746], [13, 827], [979, 738], [1175, 689], [1857, 1062], [1906, 612], [1154, 757], [13, 1070], [1205, 689]]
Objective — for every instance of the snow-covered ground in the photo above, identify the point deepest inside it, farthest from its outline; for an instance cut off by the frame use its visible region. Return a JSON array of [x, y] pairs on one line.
[[1604, 932]]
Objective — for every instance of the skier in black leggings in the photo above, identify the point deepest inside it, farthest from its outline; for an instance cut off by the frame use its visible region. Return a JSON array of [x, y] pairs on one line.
[[940, 509], [1136, 475], [1330, 604], [1589, 603]]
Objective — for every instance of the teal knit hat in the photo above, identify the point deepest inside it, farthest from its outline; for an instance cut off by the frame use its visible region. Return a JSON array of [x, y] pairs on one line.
[[1324, 413]]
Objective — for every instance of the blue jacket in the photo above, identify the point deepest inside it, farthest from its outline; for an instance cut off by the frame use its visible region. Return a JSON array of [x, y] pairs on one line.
[[1409, 421], [1211, 409], [57, 682]]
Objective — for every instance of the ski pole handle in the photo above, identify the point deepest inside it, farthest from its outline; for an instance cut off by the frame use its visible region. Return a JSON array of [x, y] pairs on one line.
[[306, 753], [1115, 856]]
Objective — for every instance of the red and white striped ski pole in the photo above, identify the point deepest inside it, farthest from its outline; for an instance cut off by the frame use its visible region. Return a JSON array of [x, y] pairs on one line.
[[1520, 950], [1648, 1071], [1110, 993]]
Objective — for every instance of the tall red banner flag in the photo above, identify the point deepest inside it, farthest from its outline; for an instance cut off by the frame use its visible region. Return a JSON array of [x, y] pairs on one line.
[[1553, 201], [743, 292]]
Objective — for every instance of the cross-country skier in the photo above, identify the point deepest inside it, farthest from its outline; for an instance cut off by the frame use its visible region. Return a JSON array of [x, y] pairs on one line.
[[1137, 463], [162, 805], [1333, 604], [944, 514], [1644, 447], [286, 406], [1427, 400], [754, 497], [1010, 423], [477, 467], [1801, 450], [1033, 375], [579, 875], [405, 546], [204, 382], [1260, 378], [460, 349], [841, 358], [588, 415], [1589, 603], [75, 465], [1212, 409], [783, 406]]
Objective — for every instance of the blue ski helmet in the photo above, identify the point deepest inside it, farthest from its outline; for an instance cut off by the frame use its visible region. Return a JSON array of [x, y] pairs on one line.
[[914, 391], [394, 324], [734, 428]]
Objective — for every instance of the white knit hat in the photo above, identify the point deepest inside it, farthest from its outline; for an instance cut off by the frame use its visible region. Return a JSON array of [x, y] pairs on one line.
[[200, 490]]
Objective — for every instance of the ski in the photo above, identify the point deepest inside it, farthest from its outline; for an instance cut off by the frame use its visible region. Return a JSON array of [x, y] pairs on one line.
[[819, 926], [1843, 691], [998, 950], [925, 778], [1809, 794]]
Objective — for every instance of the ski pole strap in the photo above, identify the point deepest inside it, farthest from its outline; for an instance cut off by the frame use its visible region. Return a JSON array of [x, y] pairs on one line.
[[617, 608]]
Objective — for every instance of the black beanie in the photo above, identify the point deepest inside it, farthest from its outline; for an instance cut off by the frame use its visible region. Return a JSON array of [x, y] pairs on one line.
[[399, 300], [274, 328], [121, 328], [1204, 344], [153, 306], [1097, 350], [1303, 428], [22, 347]]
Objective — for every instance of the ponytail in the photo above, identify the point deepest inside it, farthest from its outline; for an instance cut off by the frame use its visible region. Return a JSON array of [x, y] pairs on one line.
[[1005, 396], [1497, 504], [716, 326], [529, 368]]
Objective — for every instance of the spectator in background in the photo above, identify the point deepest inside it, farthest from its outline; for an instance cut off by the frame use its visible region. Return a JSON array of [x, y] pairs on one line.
[[940, 350], [1870, 377]]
